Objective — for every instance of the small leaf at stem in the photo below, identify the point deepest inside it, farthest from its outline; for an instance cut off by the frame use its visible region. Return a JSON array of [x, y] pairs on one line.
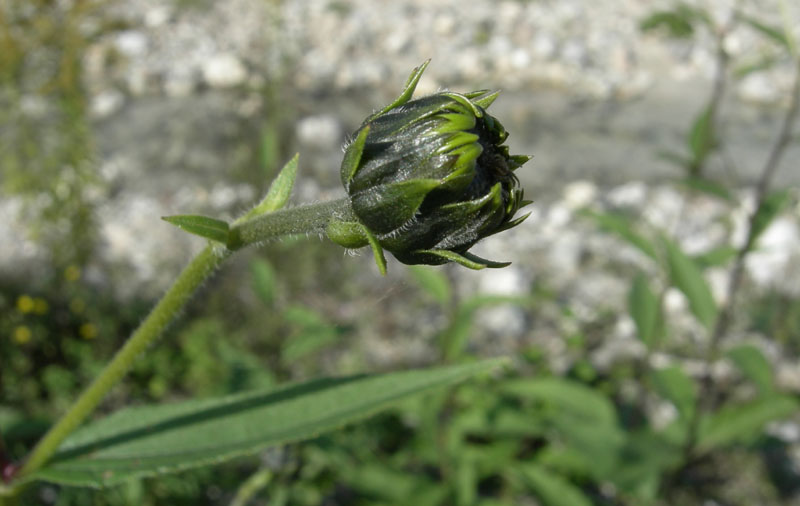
[[688, 278], [753, 365], [735, 422], [624, 227], [645, 309], [552, 489], [674, 385], [210, 228], [433, 282], [279, 190], [771, 32], [701, 138], [769, 209]]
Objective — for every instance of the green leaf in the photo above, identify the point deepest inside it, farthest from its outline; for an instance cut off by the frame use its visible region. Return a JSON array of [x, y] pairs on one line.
[[716, 257], [624, 228], [263, 280], [279, 191], [311, 333], [775, 34], [645, 309], [392, 485], [708, 187], [678, 159], [687, 277], [564, 460], [675, 23], [433, 282], [701, 137], [762, 62], [583, 419], [569, 396], [744, 422], [647, 457], [769, 209], [752, 363], [454, 338], [674, 385], [552, 489], [210, 228], [146, 441]]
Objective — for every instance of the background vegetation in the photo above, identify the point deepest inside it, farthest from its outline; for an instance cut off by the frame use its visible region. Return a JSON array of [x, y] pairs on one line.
[[294, 310]]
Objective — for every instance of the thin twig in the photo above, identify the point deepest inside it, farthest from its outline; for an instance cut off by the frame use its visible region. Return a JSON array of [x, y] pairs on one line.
[[725, 315], [762, 188]]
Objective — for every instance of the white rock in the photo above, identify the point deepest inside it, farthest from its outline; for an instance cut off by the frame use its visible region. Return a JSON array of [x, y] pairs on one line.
[[544, 46], [321, 131], [778, 246], [506, 320], [224, 71], [106, 103], [520, 58], [759, 87], [157, 16], [675, 301], [131, 43], [507, 281], [180, 83], [631, 194], [579, 194]]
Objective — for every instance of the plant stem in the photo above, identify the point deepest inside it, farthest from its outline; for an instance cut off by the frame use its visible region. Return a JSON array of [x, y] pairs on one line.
[[762, 188], [312, 218], [193, 275], [724, 319], [307, 219]]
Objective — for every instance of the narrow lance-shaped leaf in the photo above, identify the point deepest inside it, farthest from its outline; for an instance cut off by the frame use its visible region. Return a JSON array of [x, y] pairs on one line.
[[743, 422], [263, 280], [688, 278], [279, 191], [674, 385], [701, 137], [771, 32], [645, 309], [624, 228], [433, 282], [716, 257], [552, 489], [753, 365], [769, 209], [569, 396], [146, 441], [210, 228], [708, 187]]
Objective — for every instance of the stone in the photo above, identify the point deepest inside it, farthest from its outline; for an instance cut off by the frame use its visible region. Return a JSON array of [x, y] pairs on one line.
[[320, 131], [224, 70]]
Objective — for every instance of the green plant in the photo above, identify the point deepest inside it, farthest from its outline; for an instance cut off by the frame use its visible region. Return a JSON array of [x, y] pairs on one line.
[[151, 440]]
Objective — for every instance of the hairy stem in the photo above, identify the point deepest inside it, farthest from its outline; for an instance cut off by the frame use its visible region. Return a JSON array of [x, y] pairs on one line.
[[312, 218], [307, 219], [193, 275]]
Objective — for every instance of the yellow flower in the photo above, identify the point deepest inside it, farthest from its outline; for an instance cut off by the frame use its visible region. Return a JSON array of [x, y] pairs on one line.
[[22, 334], [40, 306], [72, 273], [88, 331], [25, 304]]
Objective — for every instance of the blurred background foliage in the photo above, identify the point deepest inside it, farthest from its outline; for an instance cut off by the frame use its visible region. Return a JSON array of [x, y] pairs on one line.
[[656, 427]]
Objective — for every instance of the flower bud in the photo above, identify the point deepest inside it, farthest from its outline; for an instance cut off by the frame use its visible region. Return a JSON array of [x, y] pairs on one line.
[[428, 178]]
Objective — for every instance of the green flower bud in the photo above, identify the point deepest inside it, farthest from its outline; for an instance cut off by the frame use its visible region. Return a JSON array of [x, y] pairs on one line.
[[428, 178]]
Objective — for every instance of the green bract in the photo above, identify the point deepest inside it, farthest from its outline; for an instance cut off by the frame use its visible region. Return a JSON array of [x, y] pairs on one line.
[[428, 178]]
